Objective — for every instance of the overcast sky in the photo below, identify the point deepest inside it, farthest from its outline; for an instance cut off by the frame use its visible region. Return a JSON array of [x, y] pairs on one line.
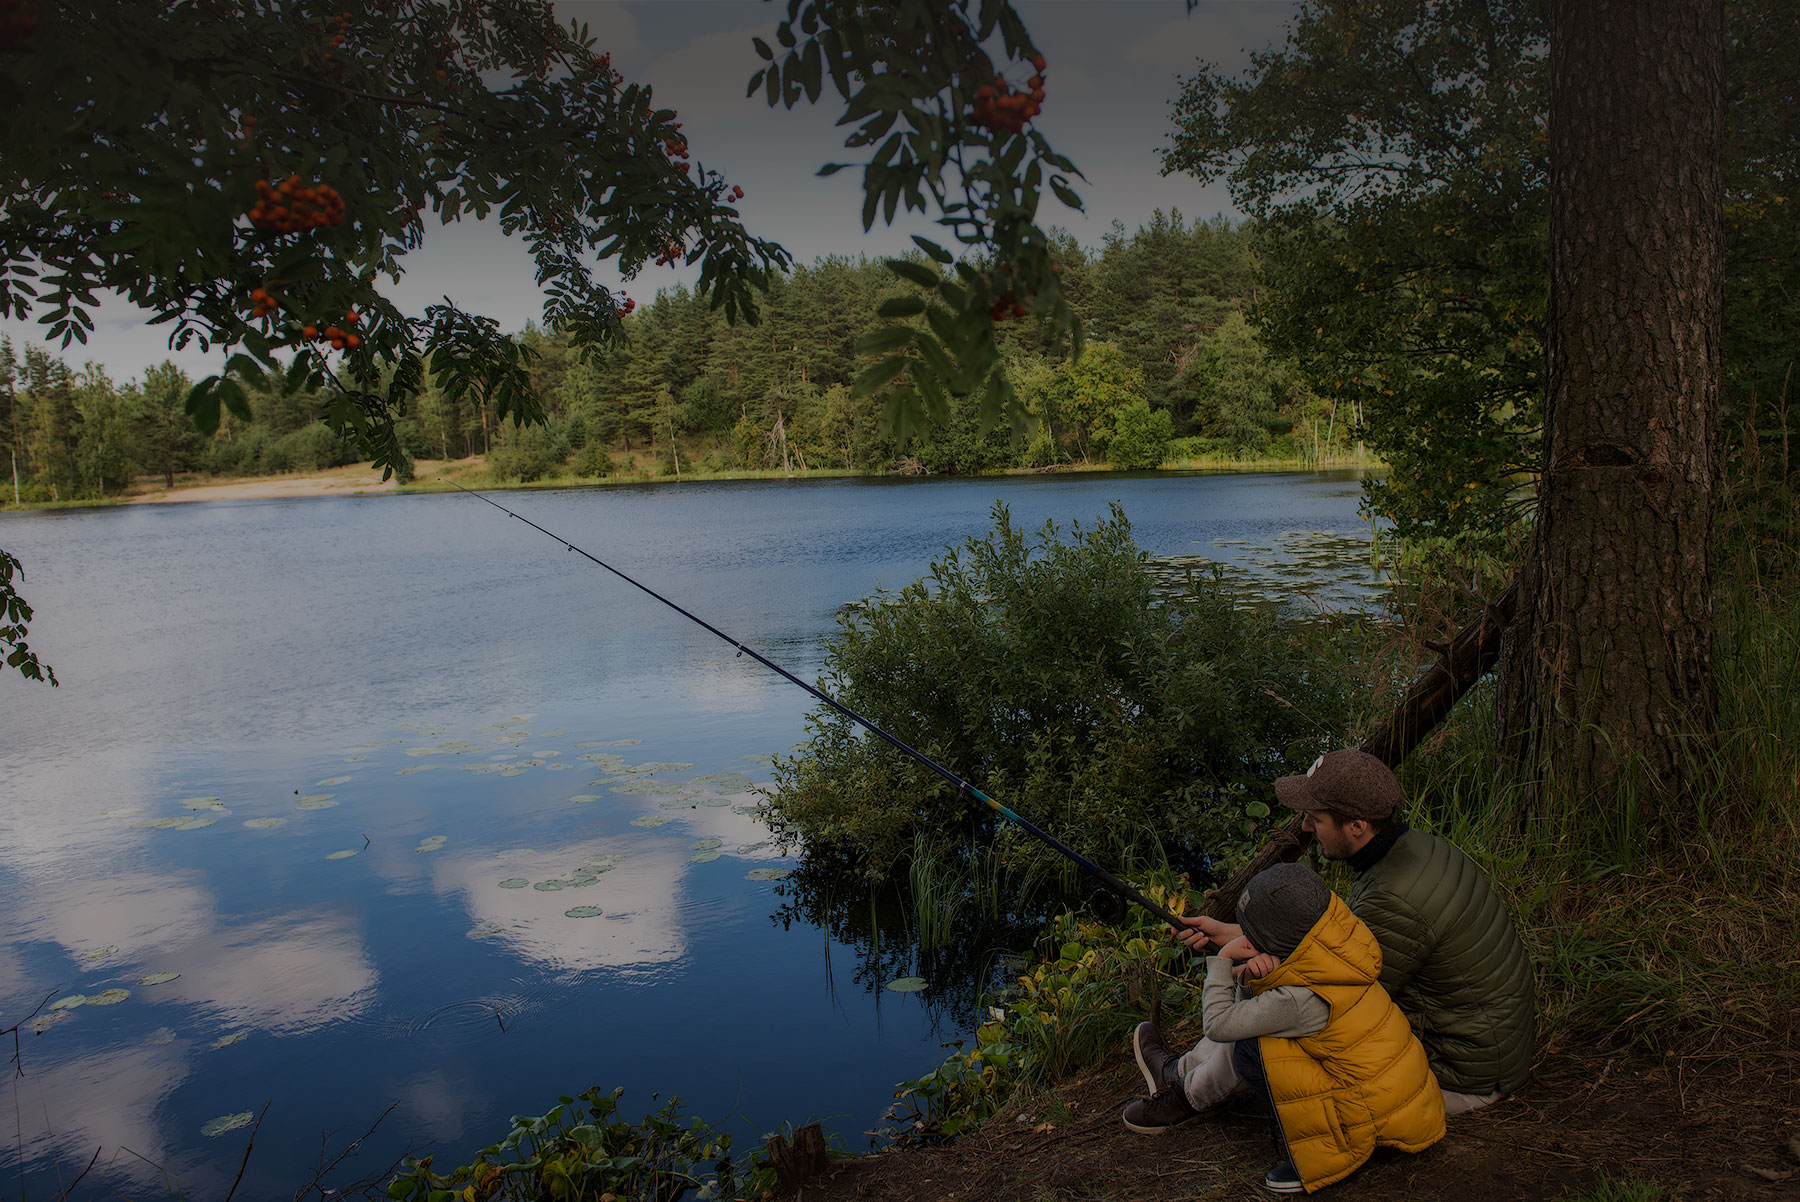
[[1112, 72]]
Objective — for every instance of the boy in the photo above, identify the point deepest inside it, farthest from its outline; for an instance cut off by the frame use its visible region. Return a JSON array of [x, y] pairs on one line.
[[1335, 1060]]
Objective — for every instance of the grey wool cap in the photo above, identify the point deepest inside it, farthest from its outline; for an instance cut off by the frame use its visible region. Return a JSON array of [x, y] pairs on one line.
[[1280, 905]]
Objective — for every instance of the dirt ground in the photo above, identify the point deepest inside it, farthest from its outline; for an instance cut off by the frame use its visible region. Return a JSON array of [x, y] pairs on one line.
[[1697, 1129]]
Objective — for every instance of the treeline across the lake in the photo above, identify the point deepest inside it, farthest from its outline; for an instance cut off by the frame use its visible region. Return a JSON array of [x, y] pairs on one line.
[[1173, 373]]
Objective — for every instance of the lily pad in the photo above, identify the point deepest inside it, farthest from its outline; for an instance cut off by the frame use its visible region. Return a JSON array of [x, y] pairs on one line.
[[227, 1122], [355, 758], [907, 984], [225, 1041], [333, 781], [316, 803], [760, 758], [550, 886], [199, 803], [262, 824], [706, 844], [703, 857], [191, 823], [747, 848], [345, 854], [421, 752], [584, 798], [483, 930], [768, 874], [663, 767], [646, 787], [513, 772], [653, 820], [100, 953], [158, 978], [433, 843], [715, 803], [154, 824], [69, 1001], [304, 799], [415, 768], [605, 863], [514, 882], [110, 997], [44, 1022], [583, 912]]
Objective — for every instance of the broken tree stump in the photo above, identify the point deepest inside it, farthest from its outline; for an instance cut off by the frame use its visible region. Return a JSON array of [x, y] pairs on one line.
[[1465, 660], [800, 1161]]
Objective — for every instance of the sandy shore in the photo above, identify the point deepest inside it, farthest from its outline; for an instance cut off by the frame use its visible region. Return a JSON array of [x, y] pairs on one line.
[[342, 481]]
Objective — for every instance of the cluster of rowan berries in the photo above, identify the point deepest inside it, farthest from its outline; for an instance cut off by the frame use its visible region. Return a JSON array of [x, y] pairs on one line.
[[340, 338], [737, 192], [342, 21], [1007, 303], [998, 107], [671, 252], [295, 206], [676, 147], [262, 304], [17, 19], [628, 306]]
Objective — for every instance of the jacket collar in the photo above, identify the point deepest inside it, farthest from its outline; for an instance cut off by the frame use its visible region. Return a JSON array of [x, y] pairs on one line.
[[1372, 851]]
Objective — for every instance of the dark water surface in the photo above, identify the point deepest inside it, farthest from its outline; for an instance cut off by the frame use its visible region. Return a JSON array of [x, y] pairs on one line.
[[251, 689]]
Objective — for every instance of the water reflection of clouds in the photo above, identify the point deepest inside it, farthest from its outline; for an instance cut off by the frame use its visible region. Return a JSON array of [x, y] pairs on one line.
[[642, 923], [108, 1100]]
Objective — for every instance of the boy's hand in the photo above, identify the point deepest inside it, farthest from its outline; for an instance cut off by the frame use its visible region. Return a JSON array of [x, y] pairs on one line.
[[1259, 965], [1203, 931]]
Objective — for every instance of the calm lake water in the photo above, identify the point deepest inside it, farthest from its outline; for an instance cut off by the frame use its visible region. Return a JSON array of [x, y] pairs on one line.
[[425, 810]]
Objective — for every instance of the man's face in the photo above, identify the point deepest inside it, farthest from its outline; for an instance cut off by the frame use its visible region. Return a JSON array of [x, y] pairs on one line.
[[1338, 841]]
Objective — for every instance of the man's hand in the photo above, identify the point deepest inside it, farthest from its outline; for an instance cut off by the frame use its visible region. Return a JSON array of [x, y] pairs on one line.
[[1203, 931]]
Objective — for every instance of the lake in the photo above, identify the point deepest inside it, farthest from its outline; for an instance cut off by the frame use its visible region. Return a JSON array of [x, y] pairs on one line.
[[353, 802]]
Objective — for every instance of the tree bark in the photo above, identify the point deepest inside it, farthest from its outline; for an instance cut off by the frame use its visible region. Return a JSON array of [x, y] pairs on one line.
[[1608, 672]]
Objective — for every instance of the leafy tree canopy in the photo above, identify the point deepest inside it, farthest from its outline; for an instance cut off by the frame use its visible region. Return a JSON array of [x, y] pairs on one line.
[[253, 175]]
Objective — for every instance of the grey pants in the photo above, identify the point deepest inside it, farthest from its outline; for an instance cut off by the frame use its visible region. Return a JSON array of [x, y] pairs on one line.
[[1208, 1077]]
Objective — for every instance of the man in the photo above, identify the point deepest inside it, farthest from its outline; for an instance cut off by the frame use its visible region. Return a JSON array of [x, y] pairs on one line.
[[1450, 956]]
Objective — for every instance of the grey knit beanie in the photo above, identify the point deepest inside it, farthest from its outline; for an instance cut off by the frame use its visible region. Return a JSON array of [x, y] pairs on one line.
[[1280, 905]]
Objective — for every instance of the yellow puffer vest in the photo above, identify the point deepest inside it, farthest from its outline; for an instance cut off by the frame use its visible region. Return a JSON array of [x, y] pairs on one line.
[[1363, 1080]]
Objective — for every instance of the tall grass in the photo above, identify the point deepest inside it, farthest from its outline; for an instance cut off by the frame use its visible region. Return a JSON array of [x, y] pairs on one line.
[[1665, 922]]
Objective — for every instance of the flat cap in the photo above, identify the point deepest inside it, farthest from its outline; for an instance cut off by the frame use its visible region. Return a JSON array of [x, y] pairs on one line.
[[1353, 783]]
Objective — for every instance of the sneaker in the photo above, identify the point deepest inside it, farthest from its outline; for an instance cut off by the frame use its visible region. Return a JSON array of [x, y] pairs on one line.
[[1282, 1179], [1160, 1111], [1155, 1059]]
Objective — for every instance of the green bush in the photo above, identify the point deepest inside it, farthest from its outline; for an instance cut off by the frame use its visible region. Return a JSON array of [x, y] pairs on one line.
[[1196, 447], [583, 1150], [1050, 674], [1141, 437]]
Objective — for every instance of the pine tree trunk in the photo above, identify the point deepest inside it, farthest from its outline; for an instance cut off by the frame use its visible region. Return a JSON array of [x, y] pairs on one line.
[[1609, 668]]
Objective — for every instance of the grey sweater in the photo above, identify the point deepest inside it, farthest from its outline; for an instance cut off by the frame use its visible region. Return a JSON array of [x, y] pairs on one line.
[[1229, 1014]]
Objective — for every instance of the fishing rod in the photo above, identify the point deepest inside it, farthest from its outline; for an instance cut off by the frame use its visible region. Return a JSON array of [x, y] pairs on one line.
[[1122, 888]]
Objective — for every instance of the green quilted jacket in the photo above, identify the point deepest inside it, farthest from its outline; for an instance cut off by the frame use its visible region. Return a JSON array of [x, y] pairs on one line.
[[1452, 960]]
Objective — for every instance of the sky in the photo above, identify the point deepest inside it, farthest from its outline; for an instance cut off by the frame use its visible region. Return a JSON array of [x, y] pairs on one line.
[[1113, 68]]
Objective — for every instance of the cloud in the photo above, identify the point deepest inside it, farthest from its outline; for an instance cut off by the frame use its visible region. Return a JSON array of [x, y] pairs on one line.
[[704, 80]]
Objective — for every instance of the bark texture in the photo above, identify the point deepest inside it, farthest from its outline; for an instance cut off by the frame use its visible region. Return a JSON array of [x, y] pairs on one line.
[[1609, 666]]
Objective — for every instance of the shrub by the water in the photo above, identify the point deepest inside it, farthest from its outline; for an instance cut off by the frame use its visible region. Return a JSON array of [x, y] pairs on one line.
[[1049, 672]]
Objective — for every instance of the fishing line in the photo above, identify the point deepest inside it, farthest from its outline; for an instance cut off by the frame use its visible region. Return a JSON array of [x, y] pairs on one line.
[[1123, 888]]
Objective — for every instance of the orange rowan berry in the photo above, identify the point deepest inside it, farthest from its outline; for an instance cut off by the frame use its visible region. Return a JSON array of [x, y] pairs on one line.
[[352, 341], [311, 331]]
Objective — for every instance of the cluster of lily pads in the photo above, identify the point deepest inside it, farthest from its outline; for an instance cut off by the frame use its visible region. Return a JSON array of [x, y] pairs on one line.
[[59, 1009]]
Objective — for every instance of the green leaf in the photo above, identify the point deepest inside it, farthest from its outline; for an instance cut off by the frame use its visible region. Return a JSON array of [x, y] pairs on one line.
[[933, 249], [901, 306], [879, 376], [762, 48], [889, 338], [916, 273]]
